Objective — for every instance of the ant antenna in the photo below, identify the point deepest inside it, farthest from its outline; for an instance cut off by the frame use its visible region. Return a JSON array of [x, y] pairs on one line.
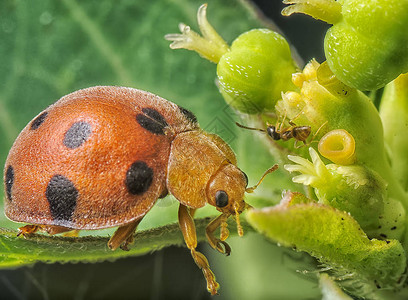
[[250, 128], [253, 188]]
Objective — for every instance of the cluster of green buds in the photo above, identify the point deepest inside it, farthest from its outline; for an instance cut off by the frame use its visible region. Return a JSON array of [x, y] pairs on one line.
[[354, 185], [359, 180], [367, 46]]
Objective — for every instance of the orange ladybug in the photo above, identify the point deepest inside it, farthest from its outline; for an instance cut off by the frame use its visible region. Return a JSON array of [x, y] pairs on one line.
[[100, 157]]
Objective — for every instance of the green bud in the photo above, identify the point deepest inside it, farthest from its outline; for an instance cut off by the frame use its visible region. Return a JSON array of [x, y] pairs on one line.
[[252, 73], [355, 189], [353, 139], [323, 99], [255, 71], [367, 47]]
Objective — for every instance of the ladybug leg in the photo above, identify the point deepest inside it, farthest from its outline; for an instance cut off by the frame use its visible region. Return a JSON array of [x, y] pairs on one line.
[[50, 229], [218, 244], [123, 236], [187, 227], [72, 233], [27, 230], [54, 229]]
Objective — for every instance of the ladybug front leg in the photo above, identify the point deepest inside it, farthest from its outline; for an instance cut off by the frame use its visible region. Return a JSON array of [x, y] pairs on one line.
[[187, 227], [123, 236], [27, 230], [50, 229], [212, 240]]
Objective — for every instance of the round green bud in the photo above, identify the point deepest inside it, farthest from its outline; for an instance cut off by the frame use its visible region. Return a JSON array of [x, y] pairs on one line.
[[368, 47], [255, 71]]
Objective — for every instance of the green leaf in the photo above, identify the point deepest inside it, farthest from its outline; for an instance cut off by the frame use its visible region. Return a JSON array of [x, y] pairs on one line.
[[17, 251], [333, 237], [394, 116]]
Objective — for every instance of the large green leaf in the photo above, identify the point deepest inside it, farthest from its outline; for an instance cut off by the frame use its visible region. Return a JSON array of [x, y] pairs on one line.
[[16, 251]]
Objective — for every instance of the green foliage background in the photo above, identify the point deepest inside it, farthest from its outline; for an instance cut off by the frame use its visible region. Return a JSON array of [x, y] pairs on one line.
[[51, 48]]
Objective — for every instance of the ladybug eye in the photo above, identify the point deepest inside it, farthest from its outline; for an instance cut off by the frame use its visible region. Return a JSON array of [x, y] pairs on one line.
[[246, 178], [221, 198]]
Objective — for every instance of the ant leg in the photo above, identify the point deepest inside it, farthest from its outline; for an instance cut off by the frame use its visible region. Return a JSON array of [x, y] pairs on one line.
[[312, 140], [187, 227], [294, 118], [286, 133], [321, 126], [281, 124], [296, 146]]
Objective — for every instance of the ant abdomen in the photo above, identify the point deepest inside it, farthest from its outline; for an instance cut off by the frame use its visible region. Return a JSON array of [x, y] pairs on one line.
[[301, 133]]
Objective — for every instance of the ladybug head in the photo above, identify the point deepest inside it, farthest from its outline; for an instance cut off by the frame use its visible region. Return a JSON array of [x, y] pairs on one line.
[[226, 191]]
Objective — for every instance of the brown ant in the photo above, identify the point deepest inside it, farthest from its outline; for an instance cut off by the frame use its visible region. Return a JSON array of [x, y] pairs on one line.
[[277, 132]]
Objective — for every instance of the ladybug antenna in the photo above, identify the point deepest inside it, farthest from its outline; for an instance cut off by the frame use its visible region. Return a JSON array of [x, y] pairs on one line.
[[253, 188]]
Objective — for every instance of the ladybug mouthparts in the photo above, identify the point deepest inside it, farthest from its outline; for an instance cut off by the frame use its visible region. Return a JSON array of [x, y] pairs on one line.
[[238, 211], [240, 230]]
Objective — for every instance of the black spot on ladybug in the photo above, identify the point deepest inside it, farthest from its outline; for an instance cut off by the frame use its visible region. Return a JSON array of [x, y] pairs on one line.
[[38, 121], [77, 134], [188, 114], [62, 197], [139, 177], [152, 121], [9, 180]]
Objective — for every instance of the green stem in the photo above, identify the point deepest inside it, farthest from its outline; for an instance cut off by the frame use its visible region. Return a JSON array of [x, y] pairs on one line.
[[328, 11]]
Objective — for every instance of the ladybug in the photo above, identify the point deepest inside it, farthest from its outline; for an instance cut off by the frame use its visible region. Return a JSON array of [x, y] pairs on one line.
[[100, 157]]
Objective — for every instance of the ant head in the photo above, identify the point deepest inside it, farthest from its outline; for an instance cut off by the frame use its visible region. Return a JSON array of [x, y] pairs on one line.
[[271, 131]]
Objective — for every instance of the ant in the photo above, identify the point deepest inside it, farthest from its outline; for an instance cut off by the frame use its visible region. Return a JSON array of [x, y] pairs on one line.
[[277, 132]]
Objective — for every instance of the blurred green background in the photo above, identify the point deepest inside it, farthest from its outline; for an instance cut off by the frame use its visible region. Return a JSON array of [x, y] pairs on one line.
[[51, 48]]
